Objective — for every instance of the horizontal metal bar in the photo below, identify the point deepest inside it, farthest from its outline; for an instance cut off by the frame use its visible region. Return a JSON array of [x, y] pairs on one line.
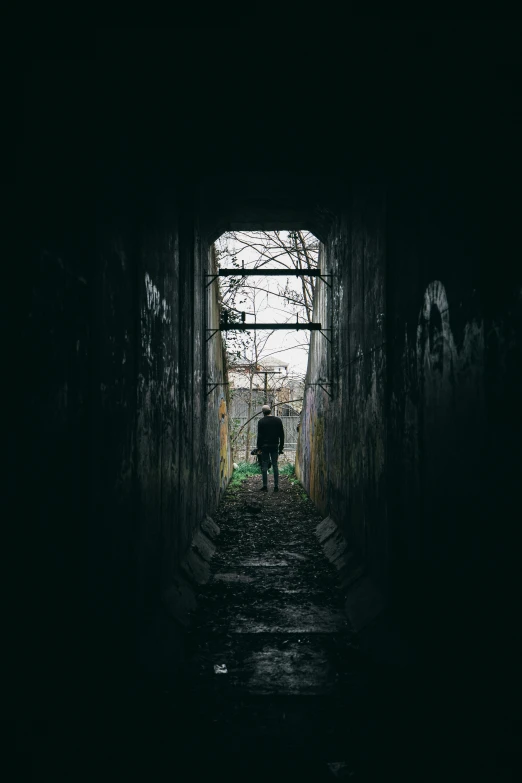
[[229, 327], [261, 272]]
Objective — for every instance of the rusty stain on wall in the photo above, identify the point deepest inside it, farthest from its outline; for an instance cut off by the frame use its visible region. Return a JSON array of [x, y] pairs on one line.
[[224, 446]]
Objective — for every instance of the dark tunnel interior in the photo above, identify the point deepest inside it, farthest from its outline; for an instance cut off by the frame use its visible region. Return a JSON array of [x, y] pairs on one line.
[[398, 145]]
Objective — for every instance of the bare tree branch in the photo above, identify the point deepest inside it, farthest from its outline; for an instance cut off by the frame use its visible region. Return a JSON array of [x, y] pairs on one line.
[[294, 251]]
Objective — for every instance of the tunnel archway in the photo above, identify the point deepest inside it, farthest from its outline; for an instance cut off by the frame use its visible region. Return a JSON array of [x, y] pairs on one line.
[[119, 444]]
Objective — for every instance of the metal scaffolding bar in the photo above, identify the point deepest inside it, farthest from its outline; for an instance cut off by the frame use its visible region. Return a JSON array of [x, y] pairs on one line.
[[228, 326], [243, 327], [261, 272]]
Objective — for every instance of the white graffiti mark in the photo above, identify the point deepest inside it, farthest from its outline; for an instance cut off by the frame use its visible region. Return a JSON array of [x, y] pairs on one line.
[[435, 344], [448, 376], [155, 307], [155, 304]]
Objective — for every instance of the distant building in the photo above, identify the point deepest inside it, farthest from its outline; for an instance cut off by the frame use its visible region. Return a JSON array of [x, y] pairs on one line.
[[250, 390], [239, 373]]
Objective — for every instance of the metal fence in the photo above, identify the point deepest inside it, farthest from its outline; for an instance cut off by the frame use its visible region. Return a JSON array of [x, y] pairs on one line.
[[238, 418]]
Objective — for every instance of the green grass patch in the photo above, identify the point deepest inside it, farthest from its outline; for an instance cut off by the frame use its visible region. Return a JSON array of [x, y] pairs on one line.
[[244, 471], [247, 469]]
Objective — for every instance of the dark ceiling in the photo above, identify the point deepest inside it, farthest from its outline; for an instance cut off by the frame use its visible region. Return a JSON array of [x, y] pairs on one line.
[[129, 113]]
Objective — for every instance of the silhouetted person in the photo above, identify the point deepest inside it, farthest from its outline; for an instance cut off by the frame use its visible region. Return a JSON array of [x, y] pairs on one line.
[[270, 442]]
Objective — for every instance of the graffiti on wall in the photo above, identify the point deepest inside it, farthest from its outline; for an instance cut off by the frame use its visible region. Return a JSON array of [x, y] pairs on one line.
[[224, 468], [154, 307], [442, 368], [435, 345]]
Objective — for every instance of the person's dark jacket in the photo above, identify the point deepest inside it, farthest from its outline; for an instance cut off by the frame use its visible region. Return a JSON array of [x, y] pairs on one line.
[[270, 433]]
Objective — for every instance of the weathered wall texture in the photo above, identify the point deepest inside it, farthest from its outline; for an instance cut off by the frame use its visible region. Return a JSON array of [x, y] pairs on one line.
[[219, 458], [414, 456], [453, 390], [133, 451], [341, 453], [173, 456]]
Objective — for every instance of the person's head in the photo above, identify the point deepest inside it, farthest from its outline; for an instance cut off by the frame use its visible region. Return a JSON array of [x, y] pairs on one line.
[[267, 410]]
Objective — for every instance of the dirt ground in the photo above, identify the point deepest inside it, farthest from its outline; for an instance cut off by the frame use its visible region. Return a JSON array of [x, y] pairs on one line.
[[278, 685]]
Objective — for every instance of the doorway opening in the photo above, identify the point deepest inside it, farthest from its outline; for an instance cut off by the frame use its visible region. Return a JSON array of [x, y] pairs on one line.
[[266, 288]]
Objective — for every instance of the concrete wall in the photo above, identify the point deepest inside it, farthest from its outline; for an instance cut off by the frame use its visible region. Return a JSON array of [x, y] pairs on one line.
[[454, 386], [414, 457], [341, 451], [127, 451], [161, 454]]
